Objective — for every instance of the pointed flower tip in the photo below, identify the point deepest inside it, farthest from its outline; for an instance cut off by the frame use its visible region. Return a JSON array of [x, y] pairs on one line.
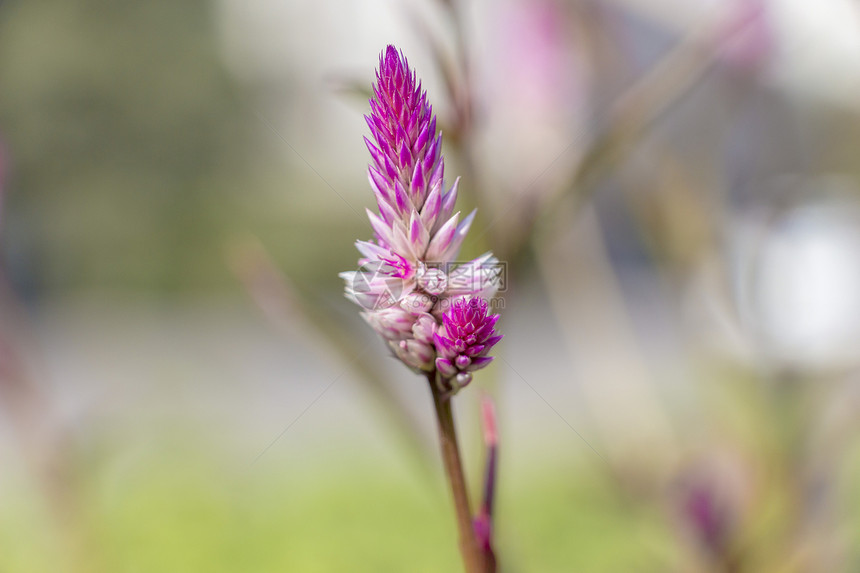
[[392, 62]]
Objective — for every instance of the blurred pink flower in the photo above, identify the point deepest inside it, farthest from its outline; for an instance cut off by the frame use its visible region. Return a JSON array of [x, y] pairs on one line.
[[747, 36], [533, 87]]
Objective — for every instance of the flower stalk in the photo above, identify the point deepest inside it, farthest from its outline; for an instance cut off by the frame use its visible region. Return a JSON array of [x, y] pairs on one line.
[[431, 310], [473, 558]]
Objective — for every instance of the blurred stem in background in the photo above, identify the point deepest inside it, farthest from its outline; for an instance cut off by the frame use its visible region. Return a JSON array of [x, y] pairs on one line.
[[627, 121], [45, 451], [616, 387], [46, 447]]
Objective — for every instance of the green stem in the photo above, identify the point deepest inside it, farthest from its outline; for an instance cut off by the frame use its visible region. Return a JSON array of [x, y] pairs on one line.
[[473, 559]]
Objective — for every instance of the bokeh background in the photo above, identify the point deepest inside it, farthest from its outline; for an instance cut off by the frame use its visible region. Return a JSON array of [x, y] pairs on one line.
[[673, 185]]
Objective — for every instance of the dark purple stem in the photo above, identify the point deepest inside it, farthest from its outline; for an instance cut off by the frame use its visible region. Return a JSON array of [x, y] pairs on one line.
[[483, 523]]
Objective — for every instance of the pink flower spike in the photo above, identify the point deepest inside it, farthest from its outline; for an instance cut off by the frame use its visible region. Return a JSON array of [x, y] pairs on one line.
[[404, 273], [406, 155]]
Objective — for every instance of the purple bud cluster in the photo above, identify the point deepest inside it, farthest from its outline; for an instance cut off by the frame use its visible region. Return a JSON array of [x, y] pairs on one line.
[[463, 340]]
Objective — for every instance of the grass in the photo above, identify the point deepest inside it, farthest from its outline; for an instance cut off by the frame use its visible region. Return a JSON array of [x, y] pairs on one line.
[[189, 507]]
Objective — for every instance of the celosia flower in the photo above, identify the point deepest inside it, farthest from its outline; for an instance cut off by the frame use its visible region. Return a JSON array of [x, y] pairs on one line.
[[407, 279], [463, 340]]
